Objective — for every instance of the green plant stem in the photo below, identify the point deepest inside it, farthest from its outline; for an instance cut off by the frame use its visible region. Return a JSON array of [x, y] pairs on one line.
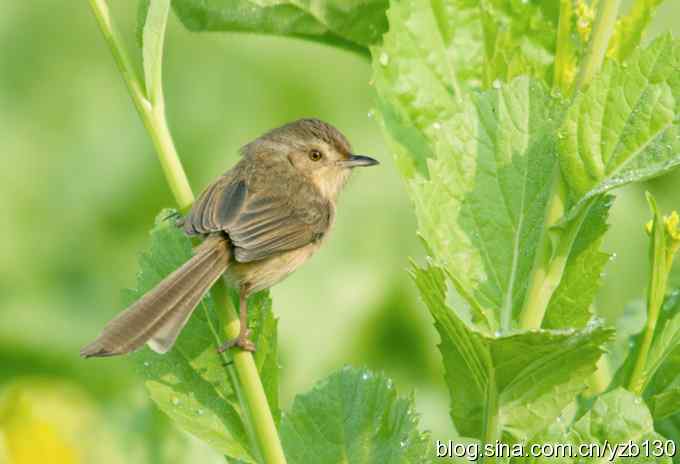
[[603, 27], [492, 426], [550, 262], [661, 265], [153, 117], [563, 46]]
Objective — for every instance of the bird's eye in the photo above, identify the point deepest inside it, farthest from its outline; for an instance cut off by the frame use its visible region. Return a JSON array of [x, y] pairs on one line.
[[315, 155]]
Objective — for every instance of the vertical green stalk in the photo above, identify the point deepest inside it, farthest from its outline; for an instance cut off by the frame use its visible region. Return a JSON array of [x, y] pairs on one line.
[[492, 426], [152, 112], [550, 263], [607, 12], [661, 261], [563, 49]]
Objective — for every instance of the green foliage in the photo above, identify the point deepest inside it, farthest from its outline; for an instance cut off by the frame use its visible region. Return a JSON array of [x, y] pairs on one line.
[[354, 25], [624, 127], [353, 416], [615, 417], [510, 380], [508, 189], [570, 304], [509, 183], [493, 153], [192, 383], [630, 29]]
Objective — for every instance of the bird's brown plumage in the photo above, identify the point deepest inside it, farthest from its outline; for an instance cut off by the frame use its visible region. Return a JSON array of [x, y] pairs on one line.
[[262, 219]]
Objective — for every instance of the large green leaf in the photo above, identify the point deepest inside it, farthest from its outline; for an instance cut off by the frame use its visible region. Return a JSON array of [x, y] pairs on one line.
[[624, 127], [482, 210], [355, 24], [616, 419], [192, 383], [353, 416], [521, 381]]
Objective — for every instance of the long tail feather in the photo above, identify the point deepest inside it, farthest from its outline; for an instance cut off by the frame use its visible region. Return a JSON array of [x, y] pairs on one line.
[[158, 317]]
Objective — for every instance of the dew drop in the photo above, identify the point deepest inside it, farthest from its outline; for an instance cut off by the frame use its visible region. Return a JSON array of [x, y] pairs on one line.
[[371, 114], [175, 401], [147, 363], [384, 59], [389, 384], [638, 400], [365, 376], [583, 23], [559, 419], [560, 135], [437, 125], [402, 444], [199, 412], [496, 84], [497, 333]]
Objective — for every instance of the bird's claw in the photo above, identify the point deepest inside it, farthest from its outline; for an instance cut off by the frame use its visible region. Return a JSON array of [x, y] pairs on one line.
[[242, 341]]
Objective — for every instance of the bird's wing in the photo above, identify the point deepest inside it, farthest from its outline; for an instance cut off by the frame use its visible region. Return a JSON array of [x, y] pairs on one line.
[[260, 218]]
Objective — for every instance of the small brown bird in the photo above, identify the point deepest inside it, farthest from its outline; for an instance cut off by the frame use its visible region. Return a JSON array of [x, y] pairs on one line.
[[261, 220]]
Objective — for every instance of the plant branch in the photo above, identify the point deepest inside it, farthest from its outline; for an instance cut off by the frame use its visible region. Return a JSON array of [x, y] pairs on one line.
[[153, 117]]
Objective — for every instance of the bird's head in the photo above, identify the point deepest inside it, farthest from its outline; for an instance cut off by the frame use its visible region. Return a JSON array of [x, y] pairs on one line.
[[317, 150]]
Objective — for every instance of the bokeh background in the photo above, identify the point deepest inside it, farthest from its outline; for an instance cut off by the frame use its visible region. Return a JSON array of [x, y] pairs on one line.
[[80, 186]]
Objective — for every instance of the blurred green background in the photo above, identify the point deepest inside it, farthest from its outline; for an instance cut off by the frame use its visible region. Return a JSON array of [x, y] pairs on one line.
[[80, 186]]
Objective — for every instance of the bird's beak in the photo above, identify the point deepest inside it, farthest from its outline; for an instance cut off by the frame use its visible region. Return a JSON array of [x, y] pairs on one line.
[[355, 161]]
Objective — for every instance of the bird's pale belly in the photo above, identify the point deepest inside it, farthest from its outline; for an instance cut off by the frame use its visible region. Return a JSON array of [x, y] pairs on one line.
[[258, 275]]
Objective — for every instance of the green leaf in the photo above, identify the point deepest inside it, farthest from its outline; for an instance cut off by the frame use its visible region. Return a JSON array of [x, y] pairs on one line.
[[624, 127], [353, 416], [355, 25], [631, 28], [519, 39], [482, 209], [192, 383], [530, 377], [570, 304], [155, 16], [615, 417]]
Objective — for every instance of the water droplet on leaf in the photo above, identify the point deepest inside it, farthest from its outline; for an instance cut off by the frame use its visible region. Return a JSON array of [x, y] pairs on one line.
[[384, 59], [496, 84]]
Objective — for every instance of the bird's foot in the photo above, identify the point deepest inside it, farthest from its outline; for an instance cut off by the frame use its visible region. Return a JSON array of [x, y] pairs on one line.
[[242, 341]]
